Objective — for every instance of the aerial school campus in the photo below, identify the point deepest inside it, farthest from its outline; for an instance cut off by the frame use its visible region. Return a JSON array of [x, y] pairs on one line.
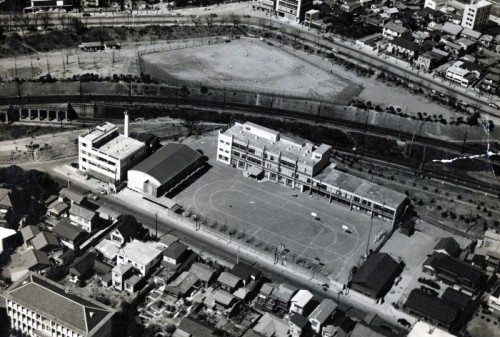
[[203, 171]]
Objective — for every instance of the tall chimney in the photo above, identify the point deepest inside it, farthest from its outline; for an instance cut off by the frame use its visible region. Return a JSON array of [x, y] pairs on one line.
[[125, 124]]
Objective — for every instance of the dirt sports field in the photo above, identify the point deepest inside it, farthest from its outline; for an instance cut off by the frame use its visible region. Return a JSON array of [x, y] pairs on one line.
[[273, 214], [248, 62]]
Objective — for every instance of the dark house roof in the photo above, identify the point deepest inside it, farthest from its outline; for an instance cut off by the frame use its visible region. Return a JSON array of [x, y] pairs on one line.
[[450, 265], [299, 320], [245, 272], [29, 232], [175, 250], [431, 307], [128, 229], [404, 43], [44, 240], [82, 264], [65, 230], [376, 272], [455, 297], [449, 245], [168, 162], [195, 328]]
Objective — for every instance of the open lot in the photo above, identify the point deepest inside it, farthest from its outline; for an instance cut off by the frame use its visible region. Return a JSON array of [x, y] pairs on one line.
[[268, 213], [248, 62]]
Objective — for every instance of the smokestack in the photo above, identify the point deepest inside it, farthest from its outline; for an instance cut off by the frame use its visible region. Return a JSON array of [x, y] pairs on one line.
[[125, 125]]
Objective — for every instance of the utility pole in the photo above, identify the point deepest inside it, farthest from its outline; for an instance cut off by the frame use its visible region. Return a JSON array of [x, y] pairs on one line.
[[156, 225], [369, 234], [463, 144]]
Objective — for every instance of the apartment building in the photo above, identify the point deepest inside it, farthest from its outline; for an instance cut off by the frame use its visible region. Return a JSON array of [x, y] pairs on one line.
[[39, 307], [476, 13], [263, 152], [107, 155], [293, 10]]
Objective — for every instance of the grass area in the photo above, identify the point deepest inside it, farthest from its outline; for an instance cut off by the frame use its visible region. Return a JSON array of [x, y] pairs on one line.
[[11, 132], [15, 44]]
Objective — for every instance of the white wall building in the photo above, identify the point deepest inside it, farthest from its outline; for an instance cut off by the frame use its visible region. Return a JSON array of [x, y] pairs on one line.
[[107, 155], [83, 218], [142, 256], [40, 307], [262, 151], [300, 301], [293, 10], [434, 4], [475, 14], [460, 75]]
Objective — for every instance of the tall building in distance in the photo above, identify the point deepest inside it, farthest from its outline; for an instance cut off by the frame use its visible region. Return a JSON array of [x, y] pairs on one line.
[[39, 307], [107, 155], [293, 10], [476, 13]]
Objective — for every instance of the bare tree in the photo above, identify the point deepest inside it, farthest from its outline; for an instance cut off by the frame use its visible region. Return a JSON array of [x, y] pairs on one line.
[[295, 36], [209, 20], [19, 23], [223, 20], [195, 19], [45, 18], [26, 21], [63, 20], [262, 24], [234, 19]]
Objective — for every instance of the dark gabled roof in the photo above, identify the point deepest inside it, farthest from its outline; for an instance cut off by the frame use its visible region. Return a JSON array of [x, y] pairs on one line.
[[43, 240], [376, 272], [432, 307], [175, 250], [29, 232], [245, 271], [72, 195], [195, 328], [451, 265], [128, 230], [49, 298], [449, 244], [299, 320], [66, 230], [168, 162], [404, 43], [82, 264], [456, 297]]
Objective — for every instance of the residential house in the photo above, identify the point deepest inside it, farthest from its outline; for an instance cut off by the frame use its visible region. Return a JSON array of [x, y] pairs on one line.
[[83, 218], [175, 253], [5, 202], [431, 308], [46, 242], [457, 298], [392, 30], [494, 300], [448, 246], [403, 48], [183, 285], [490, 83], [454, 272], [125, 232], [194, 328], [107, 251], [452, 30], [229, 282], [82, 267], [462, 76], [57, 209], [321, 314], [247, 273], [434, 4], [166, 240], [272, 326], [300, 302], [72, 196], [359, 330], [376, 276], [70, 236], [7, 239], [225, 302], [429, 60], [284, 297], [266, 299], [28, 233], [298, 324], [471, 34], [205, 274], [32, 260], [143, 256], [423, 329], [120, 274], [467, 45], [38, 306], [350, 6]]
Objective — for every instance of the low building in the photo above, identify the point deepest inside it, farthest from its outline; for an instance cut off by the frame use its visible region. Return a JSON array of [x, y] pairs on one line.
[[457, 298], [434, 310], [46, 242], [392, 30], [494, 300], [31, 261], [28, 233], [423, 329], [164, 170], [321, 314], [7, 239], [266, 299], [107, 250], [82, 267], [70, 236], [5, 202], [448, 246], [403, 48], [310, 16], [429, 60], [229, 282], [124, 232], [376, 276], [91, 46], [458, 74], [266, 6], [272, 326], [284, 297], [246, 272], [300, 301], [194, 328], [205, 274], [298, 324], [183, 285], [454, 272], [71, 196], [142, 256], [451, 30], [46, 5], [39, 307], [175, 254], [83, 218]]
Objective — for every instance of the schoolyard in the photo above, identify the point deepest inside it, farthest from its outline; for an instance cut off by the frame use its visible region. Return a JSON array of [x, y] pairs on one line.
[[266, 214], [247, 62]]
